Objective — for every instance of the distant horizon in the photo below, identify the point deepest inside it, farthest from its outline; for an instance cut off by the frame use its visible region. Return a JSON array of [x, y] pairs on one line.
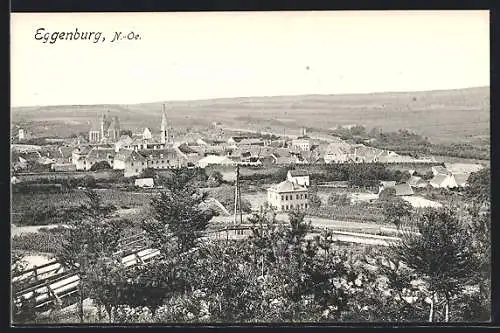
[[256, 96]]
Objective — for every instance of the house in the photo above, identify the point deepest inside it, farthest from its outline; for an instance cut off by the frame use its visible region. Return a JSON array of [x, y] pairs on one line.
[[287, 195], [146, 134], [164, 158], [299, 177], [96, 155], [214, 159], [439, 170], [144, 182], [403, 190], [301, 143], [130, 161], [443, 181], [417, 182], [386, 184], [461, 179]]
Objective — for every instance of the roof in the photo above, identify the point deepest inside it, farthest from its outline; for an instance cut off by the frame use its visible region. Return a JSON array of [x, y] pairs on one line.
[[159, 153], [438, 179], [125, 139], [123, 154], [298, 173], [440, 169], [403, 189], [285, 160], [387, 184], [100, 153], [461, 178], [287, 186], [215, 159], [281, 152], [186, 149]]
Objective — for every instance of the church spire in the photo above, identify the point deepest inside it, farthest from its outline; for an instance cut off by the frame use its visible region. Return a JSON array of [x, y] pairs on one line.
[[164, 125]]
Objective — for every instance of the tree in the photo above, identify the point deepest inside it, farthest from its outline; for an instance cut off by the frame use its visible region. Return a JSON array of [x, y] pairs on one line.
[[177, 214], [92, 240], [101, 165], [387, 194], [479, 184], [397, 211], [441, 254], [148, 173], [314, 200]]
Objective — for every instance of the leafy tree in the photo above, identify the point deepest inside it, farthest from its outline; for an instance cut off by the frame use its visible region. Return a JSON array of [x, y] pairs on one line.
[[479, 185], [148, 173], [387, 194], [397, 211], [441, 254], [314, 200]]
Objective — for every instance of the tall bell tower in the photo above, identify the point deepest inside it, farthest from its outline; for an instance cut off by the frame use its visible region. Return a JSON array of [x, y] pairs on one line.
[[164, 126]]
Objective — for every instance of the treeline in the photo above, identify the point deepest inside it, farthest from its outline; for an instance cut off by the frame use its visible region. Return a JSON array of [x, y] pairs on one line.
[[410, 143], [357, 175]]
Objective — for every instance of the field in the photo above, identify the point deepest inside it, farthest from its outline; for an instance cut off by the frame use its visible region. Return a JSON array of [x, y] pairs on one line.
[[449, 116], [25, 206]]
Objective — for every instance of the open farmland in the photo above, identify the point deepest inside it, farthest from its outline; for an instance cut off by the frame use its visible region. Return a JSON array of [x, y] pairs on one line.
[[448, 116], [25, 206]]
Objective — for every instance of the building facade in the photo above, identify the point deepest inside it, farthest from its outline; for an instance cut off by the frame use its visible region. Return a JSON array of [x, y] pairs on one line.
[[287, 196]]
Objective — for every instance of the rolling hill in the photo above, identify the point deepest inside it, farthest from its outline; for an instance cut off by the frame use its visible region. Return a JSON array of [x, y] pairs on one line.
[[444, 116]]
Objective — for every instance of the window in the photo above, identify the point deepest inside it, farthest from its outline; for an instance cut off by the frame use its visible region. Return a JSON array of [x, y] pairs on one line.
[[286, 207], [297, 197], [132, 164], [168, 161], [305, 197], [136, 170], [162, 161], [302, 196], [305, 206], [282, 207], [282, 198], [142, 163]]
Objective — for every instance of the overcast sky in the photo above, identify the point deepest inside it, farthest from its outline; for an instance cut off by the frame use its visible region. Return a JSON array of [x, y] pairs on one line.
[[184, 56]]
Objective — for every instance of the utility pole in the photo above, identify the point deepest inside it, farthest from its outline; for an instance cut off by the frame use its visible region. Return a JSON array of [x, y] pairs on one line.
[[237, 200]]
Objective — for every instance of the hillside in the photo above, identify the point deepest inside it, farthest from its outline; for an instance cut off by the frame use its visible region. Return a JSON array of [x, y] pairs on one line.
[[443, 116]]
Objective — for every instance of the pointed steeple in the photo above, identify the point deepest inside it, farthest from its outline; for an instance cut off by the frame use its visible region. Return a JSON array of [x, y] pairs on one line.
[[164, 125]]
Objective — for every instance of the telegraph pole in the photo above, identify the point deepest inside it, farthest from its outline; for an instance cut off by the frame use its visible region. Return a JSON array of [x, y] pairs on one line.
[[237, 200]]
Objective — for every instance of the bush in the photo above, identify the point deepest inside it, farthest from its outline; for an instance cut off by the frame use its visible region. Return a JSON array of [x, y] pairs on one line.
[[101, 165], [314, 200], [338, 199]]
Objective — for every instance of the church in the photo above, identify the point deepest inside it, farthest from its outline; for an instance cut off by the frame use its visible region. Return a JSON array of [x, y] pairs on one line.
[[106, 130]]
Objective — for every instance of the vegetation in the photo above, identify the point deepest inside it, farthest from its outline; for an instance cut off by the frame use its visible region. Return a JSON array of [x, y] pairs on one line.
[[409, 143]]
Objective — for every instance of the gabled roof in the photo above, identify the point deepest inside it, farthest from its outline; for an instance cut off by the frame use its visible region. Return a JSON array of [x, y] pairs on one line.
[[186, 149], [403, 189], [286, 160], [415, 180], [438, 179], [158, 153], [125, 139], [100, 153], [215, 159], [440, 169], [298, 173], [281, 152], [288, 186], [123, 154], [388, 184]]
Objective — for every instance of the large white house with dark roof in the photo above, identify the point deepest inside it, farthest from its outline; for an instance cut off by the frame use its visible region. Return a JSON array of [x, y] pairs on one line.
[[287, 195]]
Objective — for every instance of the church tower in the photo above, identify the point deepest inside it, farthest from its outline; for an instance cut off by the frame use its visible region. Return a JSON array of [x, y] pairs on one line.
[[164, 126]]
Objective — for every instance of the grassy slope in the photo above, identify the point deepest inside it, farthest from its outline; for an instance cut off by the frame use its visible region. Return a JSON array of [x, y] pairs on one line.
[[443, 116]]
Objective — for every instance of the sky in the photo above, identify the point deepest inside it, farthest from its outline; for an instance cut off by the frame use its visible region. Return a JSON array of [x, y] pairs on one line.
[[189, 56]]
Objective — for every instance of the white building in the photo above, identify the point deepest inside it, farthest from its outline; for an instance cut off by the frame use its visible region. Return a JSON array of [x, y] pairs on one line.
[[443, 181], [287, 195], [144, 182], [214, 159], [299, 177], [146, 135]]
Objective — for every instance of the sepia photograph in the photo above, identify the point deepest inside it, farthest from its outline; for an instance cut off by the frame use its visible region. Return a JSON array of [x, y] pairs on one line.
[[253, 168]]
